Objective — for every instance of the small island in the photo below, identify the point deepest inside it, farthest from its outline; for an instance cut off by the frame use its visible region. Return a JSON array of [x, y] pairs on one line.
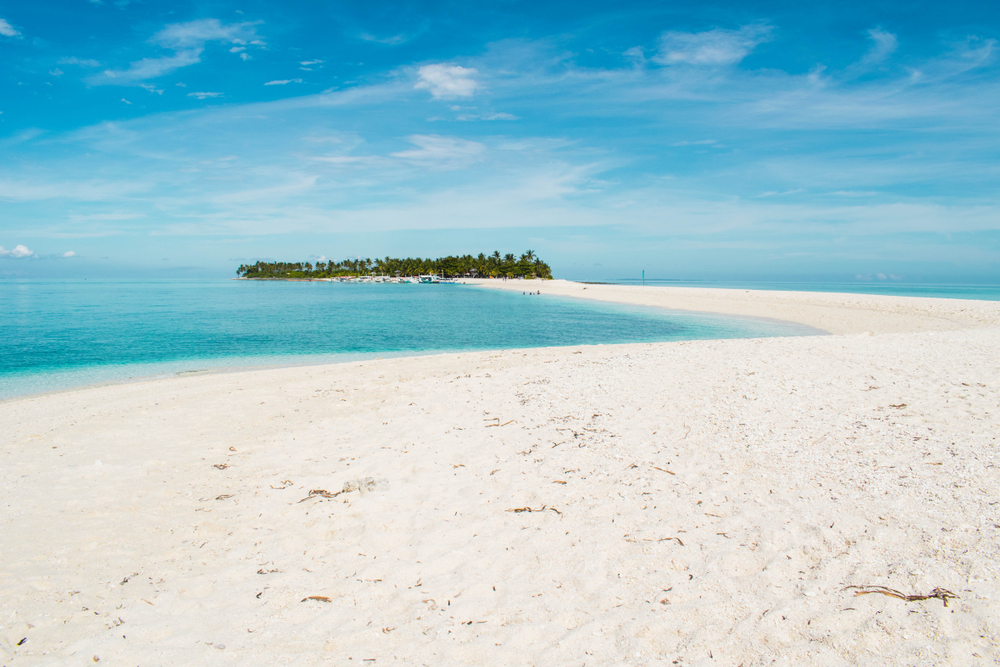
[[409, 269]]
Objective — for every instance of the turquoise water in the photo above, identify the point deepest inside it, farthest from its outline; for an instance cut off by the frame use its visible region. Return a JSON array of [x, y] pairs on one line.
[[888, 288], [58, 335]]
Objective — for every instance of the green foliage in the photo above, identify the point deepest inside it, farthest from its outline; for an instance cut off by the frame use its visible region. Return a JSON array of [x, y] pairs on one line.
[[483, 266]]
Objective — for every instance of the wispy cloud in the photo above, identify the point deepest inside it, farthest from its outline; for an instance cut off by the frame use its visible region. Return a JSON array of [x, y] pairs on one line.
[[7, 30], [772, 193], [440, 152], [486, 116], [447, 81], [282, 82], [205, 96], [187, 41], [82, 62], [391, 41], [884, 44], [711, 47], [22, 191], [697, 142]]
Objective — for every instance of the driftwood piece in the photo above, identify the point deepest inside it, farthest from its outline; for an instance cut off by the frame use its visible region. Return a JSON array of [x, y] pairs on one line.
[[518, 510], [937, 594], [322, 493]]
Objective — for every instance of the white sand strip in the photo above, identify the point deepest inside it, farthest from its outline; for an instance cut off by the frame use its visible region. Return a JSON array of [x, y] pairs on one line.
[[831, 312], [696, 503]]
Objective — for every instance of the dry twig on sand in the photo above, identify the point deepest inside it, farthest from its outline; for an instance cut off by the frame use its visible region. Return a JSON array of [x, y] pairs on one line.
[[529, 509], [937, 593], [323, 493], [318, 598]]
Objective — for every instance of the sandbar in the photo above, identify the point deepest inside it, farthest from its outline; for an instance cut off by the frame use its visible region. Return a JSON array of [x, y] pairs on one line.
[[686, 503]]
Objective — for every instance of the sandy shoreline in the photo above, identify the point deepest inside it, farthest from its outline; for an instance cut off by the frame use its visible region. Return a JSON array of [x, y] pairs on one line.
[[835, 313], [693, 503]]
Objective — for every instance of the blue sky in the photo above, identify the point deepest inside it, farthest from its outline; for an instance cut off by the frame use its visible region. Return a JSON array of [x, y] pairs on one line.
[[750, 140]]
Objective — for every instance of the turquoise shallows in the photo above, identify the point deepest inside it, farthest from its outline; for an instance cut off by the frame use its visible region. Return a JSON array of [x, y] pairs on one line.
[[58, 335]]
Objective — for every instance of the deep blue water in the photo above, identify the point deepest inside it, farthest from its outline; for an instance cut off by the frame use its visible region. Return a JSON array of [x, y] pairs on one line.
[[57, 335]]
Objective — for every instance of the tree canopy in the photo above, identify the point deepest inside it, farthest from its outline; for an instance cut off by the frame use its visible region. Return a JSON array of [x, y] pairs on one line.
[[494, 265]]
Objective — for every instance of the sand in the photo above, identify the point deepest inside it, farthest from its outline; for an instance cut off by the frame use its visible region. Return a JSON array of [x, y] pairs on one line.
[[695, 503]]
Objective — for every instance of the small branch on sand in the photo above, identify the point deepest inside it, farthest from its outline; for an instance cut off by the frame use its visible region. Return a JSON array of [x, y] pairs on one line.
[[323, 493], [664, 539], [512, 421], [662, 470], [221, 466], [318, 598], [937, 594], [529, 509]]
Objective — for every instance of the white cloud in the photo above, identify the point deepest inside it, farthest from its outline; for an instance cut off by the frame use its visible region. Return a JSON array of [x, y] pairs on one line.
[[56, 72], [447, 81], [82, 62], [7, 30], [885, 44], [237, 49], [151, 88], [282, 82], [443, 152], [712, 47], [246, 56], [126, 101], [19, 252], [202, 96], [311, 62], [69, 253], [188, 41]]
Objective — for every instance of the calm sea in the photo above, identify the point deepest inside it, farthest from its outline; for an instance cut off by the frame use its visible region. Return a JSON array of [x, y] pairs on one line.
[[58, 335]]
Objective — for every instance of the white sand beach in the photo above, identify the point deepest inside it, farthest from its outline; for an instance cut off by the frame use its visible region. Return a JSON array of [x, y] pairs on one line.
[[691, 503]]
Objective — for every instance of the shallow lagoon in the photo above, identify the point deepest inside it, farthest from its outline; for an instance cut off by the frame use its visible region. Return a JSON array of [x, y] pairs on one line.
[[58, 335]]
